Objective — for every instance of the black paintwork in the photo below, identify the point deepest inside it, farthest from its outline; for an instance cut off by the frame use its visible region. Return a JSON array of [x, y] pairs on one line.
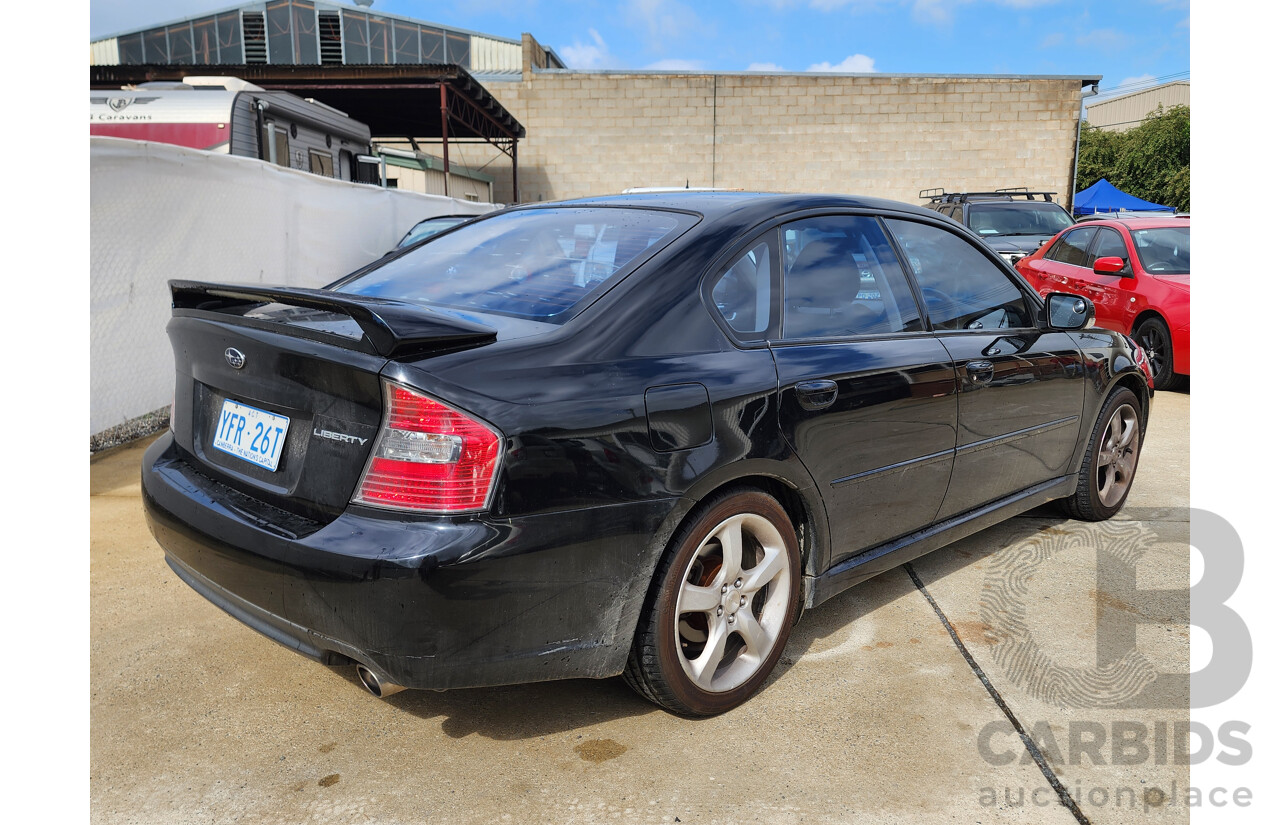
[[614, 426]]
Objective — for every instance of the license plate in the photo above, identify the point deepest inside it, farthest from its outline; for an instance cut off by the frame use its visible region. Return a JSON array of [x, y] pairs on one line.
[[251, 434]]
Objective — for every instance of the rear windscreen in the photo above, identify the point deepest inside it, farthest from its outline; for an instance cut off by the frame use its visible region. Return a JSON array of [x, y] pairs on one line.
[[538, 264]]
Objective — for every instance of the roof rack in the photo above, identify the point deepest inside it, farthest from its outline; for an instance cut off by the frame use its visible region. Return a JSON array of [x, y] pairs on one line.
[[1015, 192]]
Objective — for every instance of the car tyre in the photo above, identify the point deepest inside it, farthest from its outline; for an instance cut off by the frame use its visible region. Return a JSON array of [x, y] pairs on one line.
[[721, 606], [1106, 474], [1153, 336]]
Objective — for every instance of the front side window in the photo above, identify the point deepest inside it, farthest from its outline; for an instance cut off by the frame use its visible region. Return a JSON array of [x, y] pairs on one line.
[[427, 228], [842, 278], [536, 264], [1073, 247], [743, 292], [1164, 251], [961, 287]]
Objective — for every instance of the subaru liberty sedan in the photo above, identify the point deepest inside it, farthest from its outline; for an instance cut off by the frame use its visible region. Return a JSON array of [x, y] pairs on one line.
[[629, 435]]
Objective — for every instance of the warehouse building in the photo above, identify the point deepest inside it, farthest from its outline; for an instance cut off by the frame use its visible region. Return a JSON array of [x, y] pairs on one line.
[[1123, 112], [592, 132]]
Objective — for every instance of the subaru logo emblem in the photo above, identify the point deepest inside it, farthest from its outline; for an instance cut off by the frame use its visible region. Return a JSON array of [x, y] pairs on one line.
[[234, 357]]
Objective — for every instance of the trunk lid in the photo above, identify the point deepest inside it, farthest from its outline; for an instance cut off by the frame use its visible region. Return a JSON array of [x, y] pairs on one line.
[[279, 390]]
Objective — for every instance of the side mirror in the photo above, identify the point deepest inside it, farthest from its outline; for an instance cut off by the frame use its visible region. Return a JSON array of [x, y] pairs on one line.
[[1065, 311], [1109, 266]]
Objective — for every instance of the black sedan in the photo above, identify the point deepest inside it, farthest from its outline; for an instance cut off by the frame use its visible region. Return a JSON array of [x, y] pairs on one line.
[[629, 435]]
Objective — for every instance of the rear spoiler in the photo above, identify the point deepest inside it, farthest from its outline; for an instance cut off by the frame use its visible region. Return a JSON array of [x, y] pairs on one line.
[[393, 328]]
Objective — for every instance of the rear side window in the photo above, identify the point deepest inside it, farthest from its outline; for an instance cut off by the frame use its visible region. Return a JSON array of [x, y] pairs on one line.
[[961, 288], [842, 278], [537, 264], [743, 292], [1073, 247]]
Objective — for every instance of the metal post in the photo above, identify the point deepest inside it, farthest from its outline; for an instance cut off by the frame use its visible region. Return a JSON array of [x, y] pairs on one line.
[[515, 175], [444, 132]]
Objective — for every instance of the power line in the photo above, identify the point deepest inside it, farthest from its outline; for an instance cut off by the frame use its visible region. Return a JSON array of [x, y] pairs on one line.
[[1144, 84]]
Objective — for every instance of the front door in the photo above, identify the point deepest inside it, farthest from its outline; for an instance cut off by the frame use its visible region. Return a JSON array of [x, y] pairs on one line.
[[1021, 388]]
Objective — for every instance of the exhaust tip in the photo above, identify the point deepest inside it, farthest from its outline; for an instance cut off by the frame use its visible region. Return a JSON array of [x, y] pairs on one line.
[[378, 687]]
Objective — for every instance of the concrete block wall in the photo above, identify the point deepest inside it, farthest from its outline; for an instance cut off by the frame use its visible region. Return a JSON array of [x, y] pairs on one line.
[[890, 136]]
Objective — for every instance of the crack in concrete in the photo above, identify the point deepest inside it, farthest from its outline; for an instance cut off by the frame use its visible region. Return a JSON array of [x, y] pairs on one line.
[[1064, 796]]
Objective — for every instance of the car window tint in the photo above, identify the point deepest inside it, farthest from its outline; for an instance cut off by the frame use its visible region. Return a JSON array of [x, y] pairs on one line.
[[962, 289], [842, 278], [1072, 248], [1109, 245], [1164, 251], [743, 292], [1018, 218], [427, 228], [531, 263]]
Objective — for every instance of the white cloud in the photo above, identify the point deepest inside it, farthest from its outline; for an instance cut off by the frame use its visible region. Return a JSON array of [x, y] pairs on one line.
[[674, 64], [852, 63], [1111, 40], [765, 67], [1052, 41], [593, 55], [664, 21], [934, 12], [929, 12]]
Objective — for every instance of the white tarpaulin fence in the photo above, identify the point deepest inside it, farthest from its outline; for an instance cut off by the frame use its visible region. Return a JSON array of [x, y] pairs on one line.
[[159, 212]]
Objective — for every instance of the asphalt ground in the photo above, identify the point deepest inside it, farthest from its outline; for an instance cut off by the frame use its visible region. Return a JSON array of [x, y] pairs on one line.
[[898, 701]]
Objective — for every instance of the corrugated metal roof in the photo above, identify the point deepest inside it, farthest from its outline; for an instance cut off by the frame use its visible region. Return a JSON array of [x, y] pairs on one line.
[[320, 4]]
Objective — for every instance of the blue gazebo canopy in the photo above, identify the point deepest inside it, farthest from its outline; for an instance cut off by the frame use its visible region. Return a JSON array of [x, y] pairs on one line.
[[1103, 197]]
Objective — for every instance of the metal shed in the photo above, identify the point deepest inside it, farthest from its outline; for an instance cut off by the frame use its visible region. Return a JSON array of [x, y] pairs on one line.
[[413, 101]]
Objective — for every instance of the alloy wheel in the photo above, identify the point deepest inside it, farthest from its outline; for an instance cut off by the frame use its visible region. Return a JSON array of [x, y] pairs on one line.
[[1117, 455], [732, 605]]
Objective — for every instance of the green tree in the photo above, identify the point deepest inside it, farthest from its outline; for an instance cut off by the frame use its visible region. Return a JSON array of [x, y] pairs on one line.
[[1151, 161]]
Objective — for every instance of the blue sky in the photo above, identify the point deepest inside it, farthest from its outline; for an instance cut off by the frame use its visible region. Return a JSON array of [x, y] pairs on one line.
[[1127, 42]]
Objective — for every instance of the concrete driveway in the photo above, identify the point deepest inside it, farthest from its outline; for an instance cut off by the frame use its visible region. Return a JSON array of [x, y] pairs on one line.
[[875, 714]]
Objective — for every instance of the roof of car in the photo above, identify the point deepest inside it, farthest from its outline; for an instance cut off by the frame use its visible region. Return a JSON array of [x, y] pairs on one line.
[[1139, 223], [723, 204]]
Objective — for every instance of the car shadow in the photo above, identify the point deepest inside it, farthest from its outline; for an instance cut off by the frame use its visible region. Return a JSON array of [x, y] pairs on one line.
[[517, 712], [514, 712]]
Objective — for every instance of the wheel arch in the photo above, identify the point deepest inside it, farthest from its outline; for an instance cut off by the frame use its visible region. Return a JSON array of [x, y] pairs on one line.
[[1137, 383], [790, 484], [1145, 315]]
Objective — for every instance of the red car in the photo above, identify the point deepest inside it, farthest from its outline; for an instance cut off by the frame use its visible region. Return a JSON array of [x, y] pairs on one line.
[[1137, 272]]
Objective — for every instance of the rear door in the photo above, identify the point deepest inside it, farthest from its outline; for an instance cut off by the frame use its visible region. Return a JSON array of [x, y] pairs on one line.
[[867, 396], [1021, 388], [1062, 268]]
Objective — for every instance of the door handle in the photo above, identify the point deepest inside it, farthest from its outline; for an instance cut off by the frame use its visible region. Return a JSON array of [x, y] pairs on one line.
[[817, 395], [981, 372]]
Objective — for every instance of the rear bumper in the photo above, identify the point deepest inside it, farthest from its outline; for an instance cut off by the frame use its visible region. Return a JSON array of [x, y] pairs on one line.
[[425, 603]]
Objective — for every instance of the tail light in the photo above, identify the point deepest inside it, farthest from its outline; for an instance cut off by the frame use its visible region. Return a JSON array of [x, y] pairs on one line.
[[429, 457]]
